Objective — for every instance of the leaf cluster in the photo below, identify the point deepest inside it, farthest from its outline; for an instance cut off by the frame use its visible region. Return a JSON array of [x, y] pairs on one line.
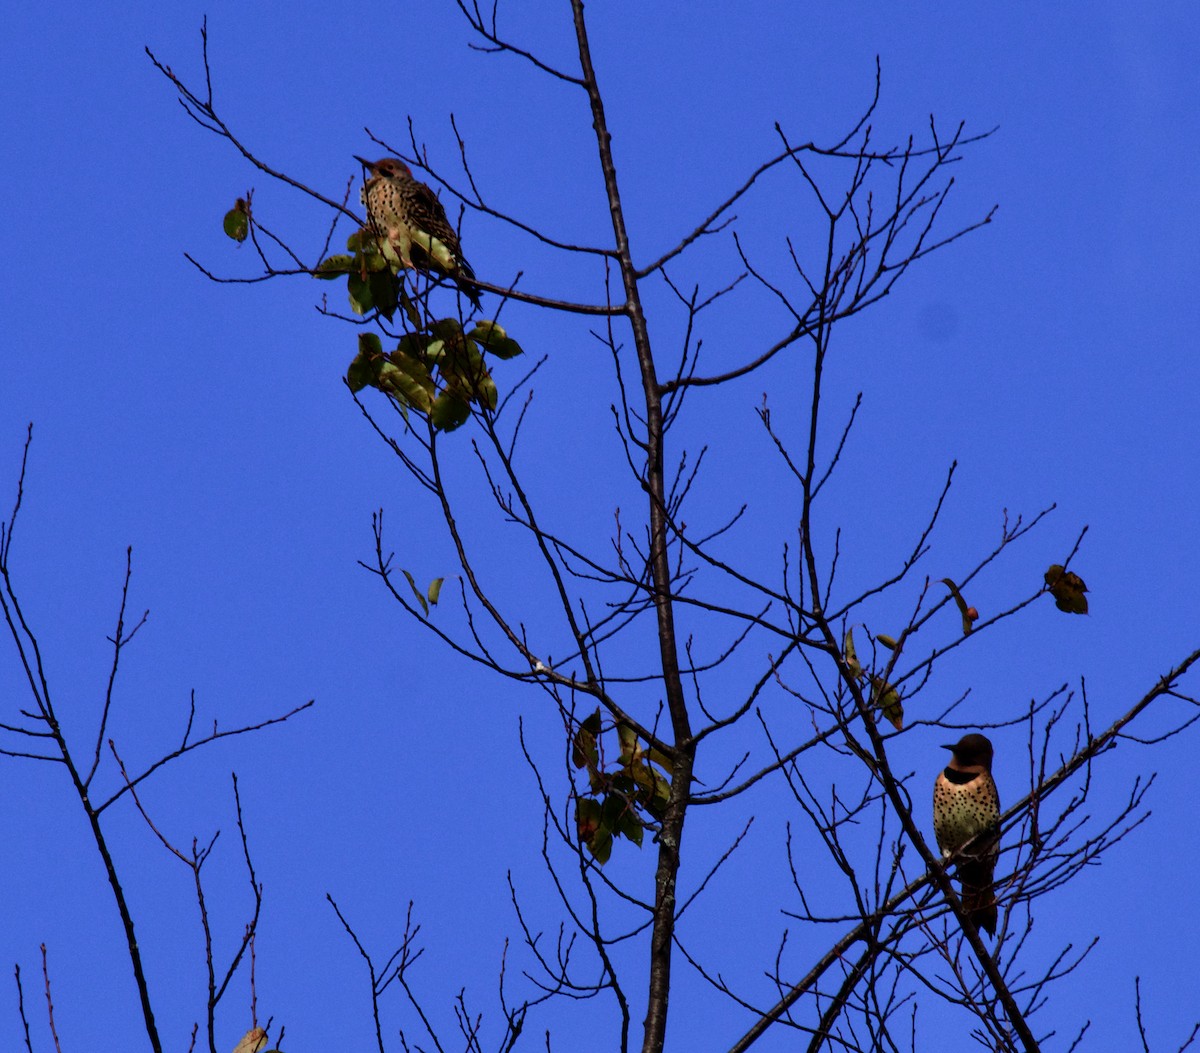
[[437, 368], [372, 270], [614, 798], [884, 696]]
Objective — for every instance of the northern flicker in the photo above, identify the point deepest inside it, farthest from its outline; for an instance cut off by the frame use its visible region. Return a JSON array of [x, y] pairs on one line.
[[408, 216], [966, 806]]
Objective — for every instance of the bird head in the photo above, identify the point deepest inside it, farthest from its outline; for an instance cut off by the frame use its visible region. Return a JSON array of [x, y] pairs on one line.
[[972, 751], [391, 167]]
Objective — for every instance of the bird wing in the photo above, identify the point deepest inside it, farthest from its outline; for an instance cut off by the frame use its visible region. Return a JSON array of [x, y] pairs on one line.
[[429, 216]]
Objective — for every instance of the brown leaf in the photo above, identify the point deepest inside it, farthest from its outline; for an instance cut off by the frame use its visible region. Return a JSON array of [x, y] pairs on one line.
[[1067, 588]]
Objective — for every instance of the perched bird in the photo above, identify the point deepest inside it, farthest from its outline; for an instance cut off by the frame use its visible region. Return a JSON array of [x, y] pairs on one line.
[[966, 806], [408, 216]]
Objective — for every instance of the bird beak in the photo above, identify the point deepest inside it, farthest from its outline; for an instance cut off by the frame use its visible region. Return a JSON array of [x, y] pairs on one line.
[[947, 746], [365, 164]]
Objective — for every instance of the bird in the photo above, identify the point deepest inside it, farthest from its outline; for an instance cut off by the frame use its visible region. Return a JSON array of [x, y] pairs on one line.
[[408, 216], [966, 806]]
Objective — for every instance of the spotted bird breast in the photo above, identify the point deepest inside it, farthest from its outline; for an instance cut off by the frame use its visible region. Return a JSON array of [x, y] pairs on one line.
[[963, 809], [382, 203]]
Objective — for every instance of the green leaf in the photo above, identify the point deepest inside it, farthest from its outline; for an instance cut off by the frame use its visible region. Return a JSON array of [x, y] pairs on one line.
[[628, 739], [601, 845], [485, 328], [645, 777], [653, 790], [435, 590], [659, 758], [362, 240], [656, 803], [583, 746], [334, 267], [631, 827], [462, 368], [852, 662], [449, 411], [412, 584], [413, 366], [622, 783], [364, 370], [488, 396], [361, 374], [383, 292], [398, 375], [495, 340], [887, 641], [612, 809], [887, 698], [410, 309], [237, 221], [963, 609], [587, 818], [391, 255], [397, 382], [360, 294], [448, 329], [471, 360], [413, 344], [415, 370]]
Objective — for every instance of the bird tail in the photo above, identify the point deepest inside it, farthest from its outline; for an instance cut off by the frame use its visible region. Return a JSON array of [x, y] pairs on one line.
[[470, 290], [466, 286], [978, 895]]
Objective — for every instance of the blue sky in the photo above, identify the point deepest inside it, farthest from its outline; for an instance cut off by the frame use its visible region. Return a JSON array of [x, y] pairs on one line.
[[1051, 354]]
